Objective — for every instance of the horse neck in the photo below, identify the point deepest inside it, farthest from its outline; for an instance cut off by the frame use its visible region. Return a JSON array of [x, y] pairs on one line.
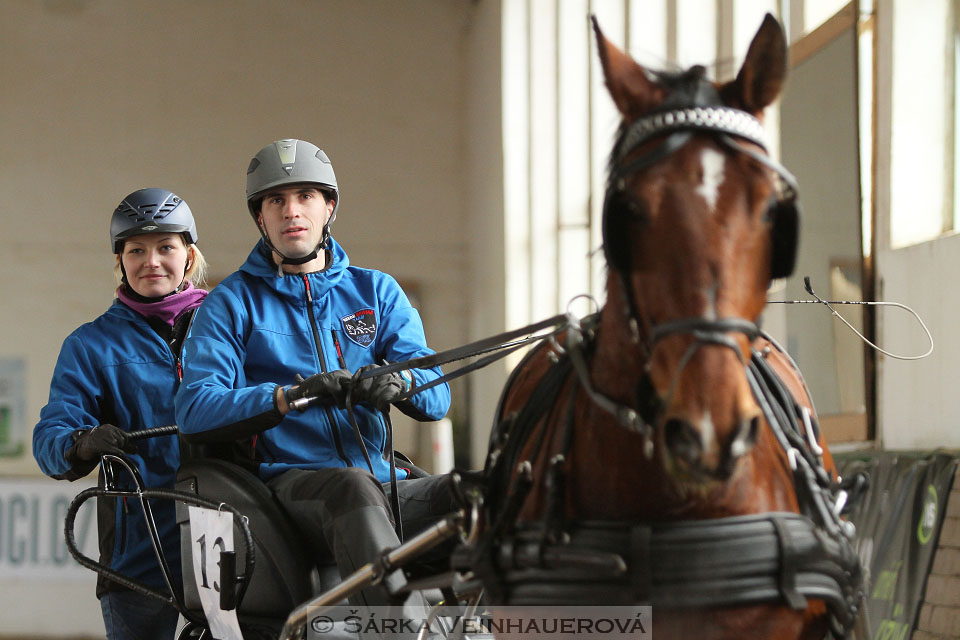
[[618, 361]]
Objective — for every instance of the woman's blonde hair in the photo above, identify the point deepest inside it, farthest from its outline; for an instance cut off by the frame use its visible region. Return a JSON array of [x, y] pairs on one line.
[[196, 272]]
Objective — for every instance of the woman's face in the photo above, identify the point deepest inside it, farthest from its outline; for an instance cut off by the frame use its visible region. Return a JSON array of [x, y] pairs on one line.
[[154, 263]]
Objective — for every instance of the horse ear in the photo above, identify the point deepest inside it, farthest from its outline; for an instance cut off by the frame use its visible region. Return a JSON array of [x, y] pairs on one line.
[[763, 72], [632, 90]]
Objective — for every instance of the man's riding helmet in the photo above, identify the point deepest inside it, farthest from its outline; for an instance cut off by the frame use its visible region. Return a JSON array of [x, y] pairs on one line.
[[151, 211], [285, 163]]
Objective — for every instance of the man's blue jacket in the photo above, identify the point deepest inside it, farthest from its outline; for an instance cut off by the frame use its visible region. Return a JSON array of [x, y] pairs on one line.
[[257, 330], [117, 370]]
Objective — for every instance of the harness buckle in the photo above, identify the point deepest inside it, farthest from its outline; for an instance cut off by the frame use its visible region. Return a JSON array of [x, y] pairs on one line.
[[792, 458], [840, 502], [811, 435]]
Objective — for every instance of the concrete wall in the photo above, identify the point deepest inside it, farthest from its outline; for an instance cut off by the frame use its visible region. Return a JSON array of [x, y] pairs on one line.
[[106, 96], [823, 86], [485, 223], [101, 97]]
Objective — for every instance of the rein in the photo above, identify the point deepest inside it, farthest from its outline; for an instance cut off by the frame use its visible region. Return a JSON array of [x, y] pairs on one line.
[[496, 347]]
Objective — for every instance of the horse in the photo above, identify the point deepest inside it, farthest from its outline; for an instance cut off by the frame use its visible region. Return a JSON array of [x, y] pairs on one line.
[[665, 451]]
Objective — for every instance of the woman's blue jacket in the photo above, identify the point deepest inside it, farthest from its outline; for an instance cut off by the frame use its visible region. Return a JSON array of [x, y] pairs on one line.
[[117, 370]]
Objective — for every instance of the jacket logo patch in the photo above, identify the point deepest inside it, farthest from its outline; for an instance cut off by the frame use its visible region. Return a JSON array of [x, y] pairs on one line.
[[361, 326]]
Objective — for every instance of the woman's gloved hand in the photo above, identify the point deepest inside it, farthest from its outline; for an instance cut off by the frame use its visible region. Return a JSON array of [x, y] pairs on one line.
[[90, 444], [329, 387]]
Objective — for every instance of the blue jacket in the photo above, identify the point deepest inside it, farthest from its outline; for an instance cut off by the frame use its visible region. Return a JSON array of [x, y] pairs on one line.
[[257, 330], [117, 370]]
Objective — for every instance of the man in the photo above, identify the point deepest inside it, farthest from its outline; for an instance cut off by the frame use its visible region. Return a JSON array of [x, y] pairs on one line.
[[297, 308]]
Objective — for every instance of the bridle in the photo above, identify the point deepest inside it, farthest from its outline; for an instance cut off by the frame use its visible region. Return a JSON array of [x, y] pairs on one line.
[[676, 126]]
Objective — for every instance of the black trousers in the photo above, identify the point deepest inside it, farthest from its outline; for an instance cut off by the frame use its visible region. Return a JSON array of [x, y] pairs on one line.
[[347, 512]]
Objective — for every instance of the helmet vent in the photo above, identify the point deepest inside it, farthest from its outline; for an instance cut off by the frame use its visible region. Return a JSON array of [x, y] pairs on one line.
[[163, 210], [126, 210], [148, 210]]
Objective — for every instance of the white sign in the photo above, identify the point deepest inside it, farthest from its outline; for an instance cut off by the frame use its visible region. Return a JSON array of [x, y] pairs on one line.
[[32, 546], [212, 533]]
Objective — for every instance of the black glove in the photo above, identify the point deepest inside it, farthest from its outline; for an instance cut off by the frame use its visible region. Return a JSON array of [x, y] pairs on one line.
[[380, 390], [90, 444], [327, 387]]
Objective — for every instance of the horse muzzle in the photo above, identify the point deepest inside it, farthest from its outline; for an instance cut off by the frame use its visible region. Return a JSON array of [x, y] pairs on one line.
[[694, 453]]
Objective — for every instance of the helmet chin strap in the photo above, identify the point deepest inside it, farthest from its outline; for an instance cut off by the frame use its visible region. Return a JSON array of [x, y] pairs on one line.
[[313, 255]]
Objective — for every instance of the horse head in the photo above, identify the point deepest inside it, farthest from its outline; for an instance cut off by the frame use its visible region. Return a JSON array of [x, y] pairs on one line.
[[697, 220]]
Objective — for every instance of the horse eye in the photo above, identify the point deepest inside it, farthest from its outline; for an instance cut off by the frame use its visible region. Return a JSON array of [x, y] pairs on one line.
[[624, 203]]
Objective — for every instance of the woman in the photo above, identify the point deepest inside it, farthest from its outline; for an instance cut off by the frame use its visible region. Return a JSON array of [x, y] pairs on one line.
[[117, 374]]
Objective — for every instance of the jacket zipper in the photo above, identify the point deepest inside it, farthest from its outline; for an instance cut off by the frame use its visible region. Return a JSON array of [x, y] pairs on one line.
[[323, 367], [336, 343]]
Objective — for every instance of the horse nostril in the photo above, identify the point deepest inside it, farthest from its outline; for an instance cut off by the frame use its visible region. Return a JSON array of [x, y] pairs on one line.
[[682, 440]]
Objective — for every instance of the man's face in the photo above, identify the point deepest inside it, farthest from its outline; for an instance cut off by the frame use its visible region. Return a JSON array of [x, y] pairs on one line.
[[293, 218]]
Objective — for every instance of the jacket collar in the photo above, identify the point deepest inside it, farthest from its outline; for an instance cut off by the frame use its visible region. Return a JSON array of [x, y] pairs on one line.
[[259, 264]]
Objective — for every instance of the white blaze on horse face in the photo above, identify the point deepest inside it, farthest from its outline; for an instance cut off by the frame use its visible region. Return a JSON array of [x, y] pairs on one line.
[[712, 165], [712, 162], [708, 434], [710, 313]]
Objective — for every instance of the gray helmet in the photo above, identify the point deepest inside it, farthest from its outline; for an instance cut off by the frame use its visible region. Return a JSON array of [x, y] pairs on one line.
[[289, 162], [151, 211]]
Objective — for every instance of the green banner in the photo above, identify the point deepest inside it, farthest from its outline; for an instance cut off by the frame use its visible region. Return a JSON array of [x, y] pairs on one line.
[[898, 522]]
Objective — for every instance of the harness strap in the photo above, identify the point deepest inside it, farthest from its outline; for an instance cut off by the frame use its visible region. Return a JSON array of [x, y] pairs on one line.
[[522, 427], [812, 483], [731, 561], [742, 560], [640, 567], [788, 568], [625, 415], [704, 330]]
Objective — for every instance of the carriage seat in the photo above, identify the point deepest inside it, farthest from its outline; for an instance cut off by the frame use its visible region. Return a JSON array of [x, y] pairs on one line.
[[286, 573]]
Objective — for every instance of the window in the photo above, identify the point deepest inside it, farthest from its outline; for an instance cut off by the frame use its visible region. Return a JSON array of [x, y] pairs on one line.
[[923, 121], [559, 126]]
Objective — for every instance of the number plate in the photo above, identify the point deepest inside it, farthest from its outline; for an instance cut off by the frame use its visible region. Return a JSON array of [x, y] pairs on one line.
[[212, 533]]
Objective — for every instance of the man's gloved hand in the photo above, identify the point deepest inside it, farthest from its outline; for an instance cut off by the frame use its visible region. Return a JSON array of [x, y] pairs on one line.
[[327, 387], [90, 444], [380, 390]]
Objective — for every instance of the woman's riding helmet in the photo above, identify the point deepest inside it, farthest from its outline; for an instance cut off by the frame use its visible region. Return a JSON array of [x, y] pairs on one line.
[[151, 211]]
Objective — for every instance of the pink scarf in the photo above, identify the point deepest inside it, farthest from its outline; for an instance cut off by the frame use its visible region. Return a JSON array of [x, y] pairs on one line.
[[167, 308]]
